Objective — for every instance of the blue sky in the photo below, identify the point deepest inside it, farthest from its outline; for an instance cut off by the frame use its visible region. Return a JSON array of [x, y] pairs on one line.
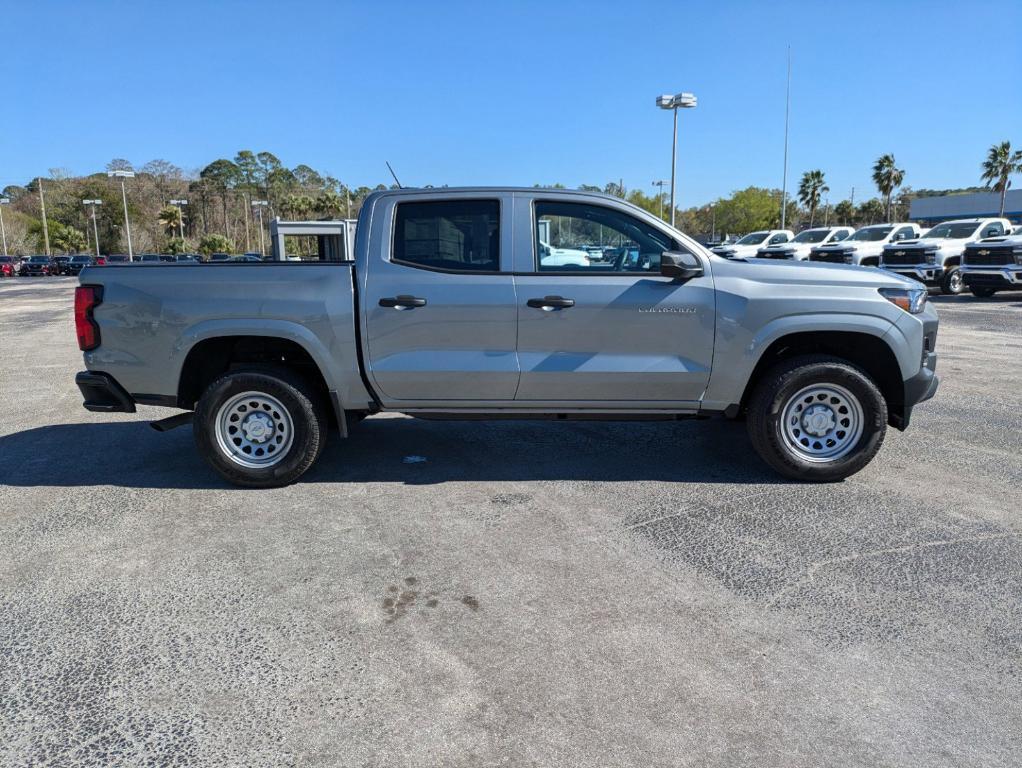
[[515, 92]]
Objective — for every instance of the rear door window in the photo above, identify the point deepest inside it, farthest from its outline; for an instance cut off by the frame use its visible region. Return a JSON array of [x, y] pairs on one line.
[[448, 235]]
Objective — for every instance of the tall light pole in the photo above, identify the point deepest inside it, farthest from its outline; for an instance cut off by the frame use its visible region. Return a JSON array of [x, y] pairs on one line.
[[180, 215], [95, 228], [259, 205], [3, 232], [784, 177], [46, 228], [675, 102], [122, 175], [660, 183]]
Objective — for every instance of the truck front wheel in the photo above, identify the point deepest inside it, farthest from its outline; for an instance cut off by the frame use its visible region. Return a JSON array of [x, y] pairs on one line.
[[260, 428], [817, 418], [952, 284]]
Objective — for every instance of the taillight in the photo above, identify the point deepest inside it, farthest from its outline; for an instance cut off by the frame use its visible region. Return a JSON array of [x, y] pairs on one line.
[[87, 298]]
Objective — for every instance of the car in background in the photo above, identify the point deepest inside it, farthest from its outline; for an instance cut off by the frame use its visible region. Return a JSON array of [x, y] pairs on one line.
[[935, 259], [549, 256], [993, 264], [799, 248], [113, 258], [863, 248], [219, 257], [187, 258], [59, 266], [149, 258], [8, 266], [38, 266], [746, 247], [77, 263], [247, 258]]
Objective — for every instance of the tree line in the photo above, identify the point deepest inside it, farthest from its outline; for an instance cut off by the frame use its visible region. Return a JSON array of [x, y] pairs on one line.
[[227, 198]]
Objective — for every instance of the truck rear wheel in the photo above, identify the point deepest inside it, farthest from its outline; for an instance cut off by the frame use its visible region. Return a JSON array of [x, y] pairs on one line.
[[817, 418], [952, 284], [260, 428]]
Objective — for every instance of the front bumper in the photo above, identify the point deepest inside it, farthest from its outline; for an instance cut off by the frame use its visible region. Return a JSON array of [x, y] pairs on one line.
[[102, 393], [993, 277], [929, 274]]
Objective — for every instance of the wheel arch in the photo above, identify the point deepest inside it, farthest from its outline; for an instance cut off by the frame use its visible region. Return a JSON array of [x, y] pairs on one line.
[[867, 351]]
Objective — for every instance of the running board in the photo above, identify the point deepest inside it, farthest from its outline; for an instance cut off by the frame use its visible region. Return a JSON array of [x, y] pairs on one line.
[[171, 422]]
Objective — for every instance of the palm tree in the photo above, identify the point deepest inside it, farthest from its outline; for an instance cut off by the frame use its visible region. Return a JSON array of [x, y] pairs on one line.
[[810, 190], [170, 219], [1001, 162], [887, 178]]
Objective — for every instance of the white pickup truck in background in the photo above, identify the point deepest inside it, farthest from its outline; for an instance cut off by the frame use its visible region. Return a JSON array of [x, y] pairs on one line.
[[746, 247], [864, 247], [800, 247], [935, 259]]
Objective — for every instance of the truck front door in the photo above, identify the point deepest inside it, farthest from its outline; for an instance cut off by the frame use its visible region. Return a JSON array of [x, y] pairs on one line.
[[438, 307], [610, 331]]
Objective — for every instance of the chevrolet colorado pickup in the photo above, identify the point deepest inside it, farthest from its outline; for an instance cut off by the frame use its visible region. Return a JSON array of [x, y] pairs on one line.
[[934, 260], [448, 311]]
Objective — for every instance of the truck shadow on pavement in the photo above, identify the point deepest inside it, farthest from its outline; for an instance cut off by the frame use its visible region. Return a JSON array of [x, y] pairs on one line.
[[400, 450]]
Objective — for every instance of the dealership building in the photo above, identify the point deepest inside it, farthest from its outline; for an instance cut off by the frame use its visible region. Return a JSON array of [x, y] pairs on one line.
[[975, 204]]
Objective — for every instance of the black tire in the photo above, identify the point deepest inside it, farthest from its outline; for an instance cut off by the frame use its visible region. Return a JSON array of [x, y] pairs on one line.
[[780, 384], [951, 284], [307, 412], [982, 291]]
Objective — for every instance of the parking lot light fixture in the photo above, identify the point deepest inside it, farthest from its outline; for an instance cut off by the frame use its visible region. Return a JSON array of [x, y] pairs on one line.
[[660, 183], [3, 232], [181, 215], [122, 175], [259, 205], [95, 229], [675, 102]]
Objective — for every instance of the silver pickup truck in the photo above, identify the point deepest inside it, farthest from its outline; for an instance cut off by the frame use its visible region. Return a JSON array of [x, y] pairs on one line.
[[448, 311]]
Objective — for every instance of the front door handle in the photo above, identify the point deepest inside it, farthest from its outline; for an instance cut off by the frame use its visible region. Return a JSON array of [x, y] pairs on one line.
[[550, 303], [403, 302]]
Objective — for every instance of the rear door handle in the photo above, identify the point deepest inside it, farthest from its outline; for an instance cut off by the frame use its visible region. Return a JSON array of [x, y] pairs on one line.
[[403, 302], [550, 303]]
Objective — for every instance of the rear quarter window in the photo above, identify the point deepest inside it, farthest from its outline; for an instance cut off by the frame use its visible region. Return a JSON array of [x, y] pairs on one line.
[[448, 235]]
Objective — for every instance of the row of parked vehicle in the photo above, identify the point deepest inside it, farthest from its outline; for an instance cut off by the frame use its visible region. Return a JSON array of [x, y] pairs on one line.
[[41, 266], [981, 254]]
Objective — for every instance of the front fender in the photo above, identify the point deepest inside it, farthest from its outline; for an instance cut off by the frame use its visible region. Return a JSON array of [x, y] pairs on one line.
[[740, 348]]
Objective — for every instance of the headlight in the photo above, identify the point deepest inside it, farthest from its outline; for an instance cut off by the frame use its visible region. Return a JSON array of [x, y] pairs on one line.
[[912, 300]]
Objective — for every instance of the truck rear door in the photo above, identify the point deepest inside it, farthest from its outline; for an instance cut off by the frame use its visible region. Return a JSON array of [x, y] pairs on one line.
[[439, 300], [611, 331]]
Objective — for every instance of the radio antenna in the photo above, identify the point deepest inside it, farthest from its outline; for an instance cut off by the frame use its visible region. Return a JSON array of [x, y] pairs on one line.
[[393, 174]]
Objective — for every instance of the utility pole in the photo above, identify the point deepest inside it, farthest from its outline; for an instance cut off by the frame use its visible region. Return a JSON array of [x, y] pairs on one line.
[[95, 229], [247, 220], [3, 232], [122, 175], [660, 183], [784, 178], [259, 205], [46, 228]]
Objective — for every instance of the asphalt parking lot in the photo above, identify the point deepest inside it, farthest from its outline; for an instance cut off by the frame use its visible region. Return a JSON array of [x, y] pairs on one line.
[[548, 594]]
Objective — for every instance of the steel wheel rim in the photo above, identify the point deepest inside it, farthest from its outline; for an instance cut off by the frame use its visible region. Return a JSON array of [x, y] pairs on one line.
[[822, 422], [254, 430]]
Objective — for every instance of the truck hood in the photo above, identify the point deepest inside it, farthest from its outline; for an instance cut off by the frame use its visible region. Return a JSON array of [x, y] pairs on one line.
[[736, 251], [858, 246], [812, 272], [797, 249], [926, 242]]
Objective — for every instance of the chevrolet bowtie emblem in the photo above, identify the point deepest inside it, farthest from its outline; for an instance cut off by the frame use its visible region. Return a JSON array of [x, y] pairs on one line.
[[984, 253], [899, 253]]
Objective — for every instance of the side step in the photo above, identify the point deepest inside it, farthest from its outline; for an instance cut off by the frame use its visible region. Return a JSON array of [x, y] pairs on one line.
[[171, 422]]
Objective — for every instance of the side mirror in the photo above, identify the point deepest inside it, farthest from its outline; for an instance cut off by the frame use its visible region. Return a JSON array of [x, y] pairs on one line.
[[680, 265]]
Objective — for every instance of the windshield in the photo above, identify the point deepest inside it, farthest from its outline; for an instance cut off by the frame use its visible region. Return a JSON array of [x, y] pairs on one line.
[[82, 258], [811, 236], [871, 234], [953, 231], [754, 238], [39, 259]]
